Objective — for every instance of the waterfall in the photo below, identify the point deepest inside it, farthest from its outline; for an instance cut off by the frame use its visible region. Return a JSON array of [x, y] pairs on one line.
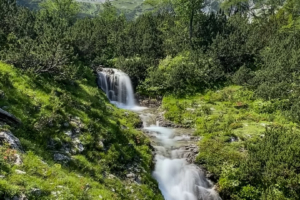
[[117, 87], [178, 179]]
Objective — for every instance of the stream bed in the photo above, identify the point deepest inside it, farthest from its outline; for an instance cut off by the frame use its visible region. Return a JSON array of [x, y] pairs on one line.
[[175, 148]]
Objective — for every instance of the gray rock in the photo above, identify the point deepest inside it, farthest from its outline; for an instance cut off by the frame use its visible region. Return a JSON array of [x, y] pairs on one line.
[[19, 171], [18, 160], [5, 107], [61, 157], [8, 118], [130, 175], [21, 197], [68, 133], [36, 191], [11, 140], [124, 127], [100, 144], [55, 193], [66, 124], [138, 180], [78, 145]]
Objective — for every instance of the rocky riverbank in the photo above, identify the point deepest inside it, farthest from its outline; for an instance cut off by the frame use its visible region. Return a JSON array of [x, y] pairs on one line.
[[175, 150]]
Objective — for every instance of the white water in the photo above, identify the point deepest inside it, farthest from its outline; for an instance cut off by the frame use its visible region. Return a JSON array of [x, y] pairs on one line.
[[118, 88], [178, 180]]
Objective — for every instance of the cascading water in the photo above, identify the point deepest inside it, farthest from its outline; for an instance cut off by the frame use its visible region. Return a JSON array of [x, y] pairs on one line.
[[178, 179], [117, 86]]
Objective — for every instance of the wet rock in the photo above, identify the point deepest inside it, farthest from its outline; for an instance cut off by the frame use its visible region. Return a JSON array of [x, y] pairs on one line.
[[8, 138], [149, 102], [189, 153], [166, 123], [207, 194]]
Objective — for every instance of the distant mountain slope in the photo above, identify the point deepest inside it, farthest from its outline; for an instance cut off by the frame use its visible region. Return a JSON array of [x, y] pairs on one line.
[[132, 9]]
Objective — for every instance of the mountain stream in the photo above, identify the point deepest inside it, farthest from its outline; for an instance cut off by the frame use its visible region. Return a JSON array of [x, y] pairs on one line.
[[175, 148]]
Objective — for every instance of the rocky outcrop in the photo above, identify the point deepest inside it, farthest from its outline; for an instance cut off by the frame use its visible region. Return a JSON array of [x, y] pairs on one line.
[[188, 152], [148, 102], [61, 157], [166, 123], [6, 137], [8, 118]]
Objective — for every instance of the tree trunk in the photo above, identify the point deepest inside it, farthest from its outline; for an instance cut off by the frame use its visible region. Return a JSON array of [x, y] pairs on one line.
[[191, 26]]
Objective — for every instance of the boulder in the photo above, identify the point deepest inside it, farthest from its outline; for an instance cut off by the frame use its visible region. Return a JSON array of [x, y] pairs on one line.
[[61, 158], [8, 138], [20, 171], [8, 118]]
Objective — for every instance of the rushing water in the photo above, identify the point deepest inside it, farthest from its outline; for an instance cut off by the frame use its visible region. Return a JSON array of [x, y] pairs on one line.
[[178, 179]]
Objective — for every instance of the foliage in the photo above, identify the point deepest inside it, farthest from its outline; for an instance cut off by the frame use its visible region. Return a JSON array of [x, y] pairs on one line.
[[183, 74], [180, 51], [245, 148], [44, 105]]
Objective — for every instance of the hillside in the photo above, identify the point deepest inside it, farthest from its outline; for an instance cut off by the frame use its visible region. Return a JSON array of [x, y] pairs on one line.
[[75, 144], [132, 9]]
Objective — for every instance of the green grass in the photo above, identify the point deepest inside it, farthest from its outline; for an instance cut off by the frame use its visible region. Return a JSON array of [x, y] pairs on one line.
[[227, 120], [44, 105]]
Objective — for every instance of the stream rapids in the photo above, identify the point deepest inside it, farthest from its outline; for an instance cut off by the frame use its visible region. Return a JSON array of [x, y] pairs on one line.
[[177, 178]]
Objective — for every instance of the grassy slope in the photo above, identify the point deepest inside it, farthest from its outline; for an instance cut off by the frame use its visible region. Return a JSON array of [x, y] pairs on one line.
[[227, 120], [44, 106]]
